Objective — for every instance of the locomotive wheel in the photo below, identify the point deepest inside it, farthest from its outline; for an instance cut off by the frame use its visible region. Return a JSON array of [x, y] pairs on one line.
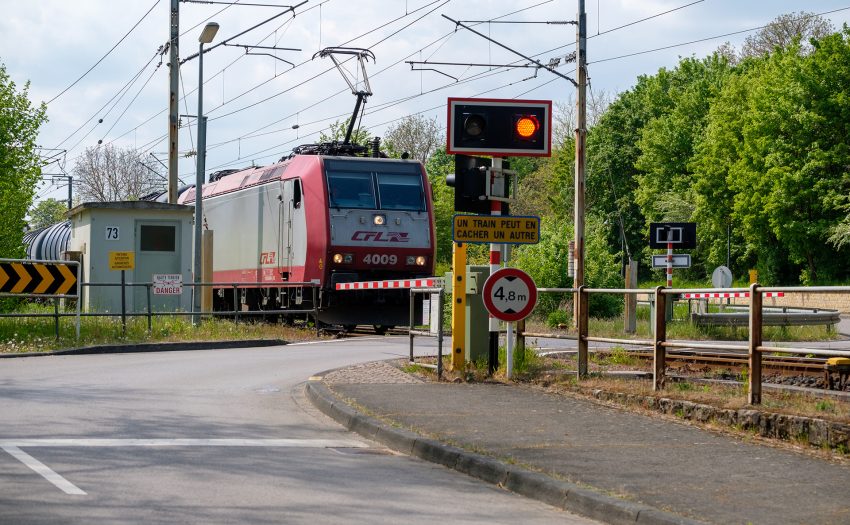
[[381, 329]]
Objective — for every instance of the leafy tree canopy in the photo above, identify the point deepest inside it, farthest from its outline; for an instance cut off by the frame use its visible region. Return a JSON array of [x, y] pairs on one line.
[[415, 135], [20, 166], [47, 212]]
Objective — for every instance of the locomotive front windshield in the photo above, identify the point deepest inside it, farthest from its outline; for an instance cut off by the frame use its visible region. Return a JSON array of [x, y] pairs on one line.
[[375, 185]]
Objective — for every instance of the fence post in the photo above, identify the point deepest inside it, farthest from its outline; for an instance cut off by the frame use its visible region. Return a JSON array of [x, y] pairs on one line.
[[520, 334], [410, 330], [316, 308], [236, 302], [150, 314], [582, 331], [630, 307], [659, 353], [123, 305], [56, 315], [755, 326], [440, 335]]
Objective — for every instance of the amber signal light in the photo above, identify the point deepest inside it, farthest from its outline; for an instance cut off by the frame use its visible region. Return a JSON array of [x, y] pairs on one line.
[[526, 126]]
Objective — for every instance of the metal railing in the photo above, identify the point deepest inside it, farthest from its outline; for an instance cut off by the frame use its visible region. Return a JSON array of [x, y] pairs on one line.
[[150, 312], [753, 349], [412, 332]]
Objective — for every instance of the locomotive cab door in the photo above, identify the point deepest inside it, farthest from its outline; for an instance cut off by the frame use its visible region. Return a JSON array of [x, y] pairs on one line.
[[290, 201]]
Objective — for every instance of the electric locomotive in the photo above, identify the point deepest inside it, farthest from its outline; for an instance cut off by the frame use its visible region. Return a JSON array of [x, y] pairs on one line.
[[324, 216]]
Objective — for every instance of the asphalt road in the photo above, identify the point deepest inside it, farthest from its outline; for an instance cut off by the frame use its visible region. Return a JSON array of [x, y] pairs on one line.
[[223, 436]]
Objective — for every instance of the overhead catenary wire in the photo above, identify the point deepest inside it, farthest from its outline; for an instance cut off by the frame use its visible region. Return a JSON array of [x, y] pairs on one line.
[[158, 140], [706, 39], [445, 38], [131, 102], [373, 106], [240, 57], [74, 83], [239, 110], [642, 19], [120, 93], [114, 105]]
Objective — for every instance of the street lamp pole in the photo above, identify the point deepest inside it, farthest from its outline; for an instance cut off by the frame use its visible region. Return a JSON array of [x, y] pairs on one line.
[[206, 37]]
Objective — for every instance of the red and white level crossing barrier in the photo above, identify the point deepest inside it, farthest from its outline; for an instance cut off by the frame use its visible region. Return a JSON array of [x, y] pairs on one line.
[[728, 295], [380, 285]]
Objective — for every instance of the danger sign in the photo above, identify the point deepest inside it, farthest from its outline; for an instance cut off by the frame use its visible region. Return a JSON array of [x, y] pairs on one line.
[[167, 284]]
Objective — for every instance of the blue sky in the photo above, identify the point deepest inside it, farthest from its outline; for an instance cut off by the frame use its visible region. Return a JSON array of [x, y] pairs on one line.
[[253, 102]]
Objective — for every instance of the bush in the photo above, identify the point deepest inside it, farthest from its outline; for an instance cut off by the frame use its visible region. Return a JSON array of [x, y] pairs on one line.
[[557, 317]]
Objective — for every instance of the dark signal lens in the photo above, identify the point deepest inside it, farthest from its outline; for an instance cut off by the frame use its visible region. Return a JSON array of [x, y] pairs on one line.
[[474, 125]]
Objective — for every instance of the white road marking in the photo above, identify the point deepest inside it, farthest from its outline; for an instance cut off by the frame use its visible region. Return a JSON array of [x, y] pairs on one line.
[[13, 447], [183, 442], [46, 472]]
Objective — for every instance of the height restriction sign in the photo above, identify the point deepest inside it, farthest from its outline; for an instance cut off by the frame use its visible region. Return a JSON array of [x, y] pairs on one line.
[[509, 294]]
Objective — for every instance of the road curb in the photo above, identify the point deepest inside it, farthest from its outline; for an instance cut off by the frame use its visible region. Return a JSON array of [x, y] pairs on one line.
[[153, 347], [562, 494]]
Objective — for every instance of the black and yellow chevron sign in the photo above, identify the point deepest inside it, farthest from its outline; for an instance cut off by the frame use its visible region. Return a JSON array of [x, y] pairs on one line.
[[38, 278]]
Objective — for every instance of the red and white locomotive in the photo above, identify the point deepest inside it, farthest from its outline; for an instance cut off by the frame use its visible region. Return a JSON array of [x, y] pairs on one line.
[[326, 219]]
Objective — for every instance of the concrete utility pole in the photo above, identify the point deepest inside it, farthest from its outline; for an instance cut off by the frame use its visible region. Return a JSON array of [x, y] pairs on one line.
[[580, 137], [173, 75]]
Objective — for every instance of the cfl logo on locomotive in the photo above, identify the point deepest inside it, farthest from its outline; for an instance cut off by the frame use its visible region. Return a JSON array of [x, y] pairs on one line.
[[267, 257], [361, 235]]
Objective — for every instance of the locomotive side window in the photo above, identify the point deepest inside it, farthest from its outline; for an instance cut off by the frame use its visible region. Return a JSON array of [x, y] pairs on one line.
[[351, 189], [401, 191], [296, 193]]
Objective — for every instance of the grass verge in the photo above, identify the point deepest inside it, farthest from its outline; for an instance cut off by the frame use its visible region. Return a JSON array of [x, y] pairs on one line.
[[22, 335]]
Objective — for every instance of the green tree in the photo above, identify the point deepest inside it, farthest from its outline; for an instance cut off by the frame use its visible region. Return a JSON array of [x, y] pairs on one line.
[[336, 133], [415, 135], [774, 160], [792, 179], [438, 166], [47, 212], [20, 166]]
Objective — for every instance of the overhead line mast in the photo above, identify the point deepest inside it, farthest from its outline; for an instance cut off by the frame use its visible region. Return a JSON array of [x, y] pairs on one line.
[[174, 75]]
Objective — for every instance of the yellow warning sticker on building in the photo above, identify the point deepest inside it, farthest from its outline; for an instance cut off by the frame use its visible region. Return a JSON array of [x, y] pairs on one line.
[[122, 260]]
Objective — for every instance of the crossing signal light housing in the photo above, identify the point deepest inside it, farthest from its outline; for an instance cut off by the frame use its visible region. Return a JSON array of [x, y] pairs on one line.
[[469, 181], [500, 128]]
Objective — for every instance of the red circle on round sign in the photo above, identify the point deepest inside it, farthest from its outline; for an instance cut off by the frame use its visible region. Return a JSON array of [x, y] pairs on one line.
[[509, 294]]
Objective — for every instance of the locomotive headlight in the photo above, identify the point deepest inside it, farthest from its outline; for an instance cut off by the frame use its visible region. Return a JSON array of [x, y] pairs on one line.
[[338, 258], [379, 220], [411, 260], [420, 260], [348, 258]]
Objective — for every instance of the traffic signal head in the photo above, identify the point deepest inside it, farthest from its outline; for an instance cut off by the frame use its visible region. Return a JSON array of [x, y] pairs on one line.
[[501, 128], [469, 181]]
